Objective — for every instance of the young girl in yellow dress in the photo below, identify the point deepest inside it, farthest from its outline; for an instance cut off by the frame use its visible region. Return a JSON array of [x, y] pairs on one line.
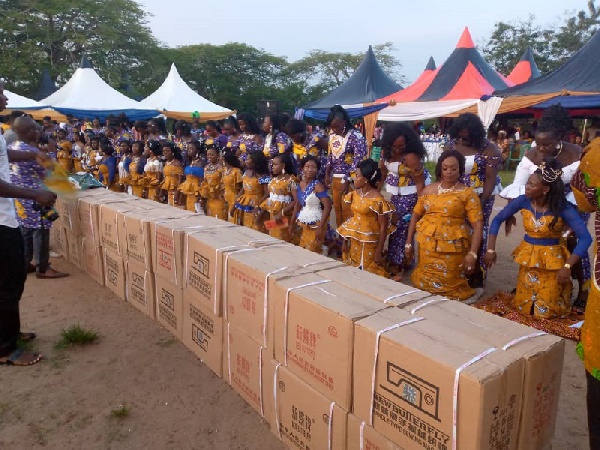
[[255, 190], [312, 207], [153, 170], [544, 284], [365, 232], [135, 169], [194, 176], [64, 151], [172, 172], [211, 189], [232, 180], [280, 203], [447, 247]]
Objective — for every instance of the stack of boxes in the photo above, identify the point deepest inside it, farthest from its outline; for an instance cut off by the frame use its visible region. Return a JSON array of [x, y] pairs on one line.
[[330, 356]]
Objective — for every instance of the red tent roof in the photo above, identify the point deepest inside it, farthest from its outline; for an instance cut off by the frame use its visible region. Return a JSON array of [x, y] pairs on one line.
[[525, 70], [464, 75]]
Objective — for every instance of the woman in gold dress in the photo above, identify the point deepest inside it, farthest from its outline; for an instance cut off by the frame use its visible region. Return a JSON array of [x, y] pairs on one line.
[[172, 173], [255, 190], [232, 180], [280, 203], [136, 170], [447, 245], [194, 176], [366, 231], [544, 284], [153, 169], [64, 150], [107, 170], [211, 189]]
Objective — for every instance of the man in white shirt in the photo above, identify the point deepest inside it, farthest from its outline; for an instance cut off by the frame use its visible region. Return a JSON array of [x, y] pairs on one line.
[[12, 260]]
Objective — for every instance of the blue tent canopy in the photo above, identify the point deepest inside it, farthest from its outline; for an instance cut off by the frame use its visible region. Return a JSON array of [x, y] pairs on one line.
[[353, 112], [132, 114], [572, 102]]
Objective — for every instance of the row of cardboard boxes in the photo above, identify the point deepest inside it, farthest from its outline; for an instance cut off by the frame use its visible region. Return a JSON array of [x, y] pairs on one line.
[[331, 356]]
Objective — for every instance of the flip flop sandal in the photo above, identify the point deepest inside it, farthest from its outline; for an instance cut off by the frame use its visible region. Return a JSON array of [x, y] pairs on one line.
[[27, 336], [13, 359]]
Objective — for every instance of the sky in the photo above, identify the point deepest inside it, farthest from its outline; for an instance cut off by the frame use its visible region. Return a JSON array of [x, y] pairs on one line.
[[418, 29]]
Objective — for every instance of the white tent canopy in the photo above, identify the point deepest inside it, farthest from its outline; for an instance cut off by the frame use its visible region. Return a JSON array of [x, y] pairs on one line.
[[18, 102], [174, 95], [86, 94]]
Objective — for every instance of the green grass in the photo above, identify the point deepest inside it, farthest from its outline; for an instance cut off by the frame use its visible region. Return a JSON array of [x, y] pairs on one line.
[[76, 335], [121, 412]]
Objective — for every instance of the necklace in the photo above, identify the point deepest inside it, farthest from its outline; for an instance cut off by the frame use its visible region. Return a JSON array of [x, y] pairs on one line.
[[363, 194], [442, 190], [537, 222]]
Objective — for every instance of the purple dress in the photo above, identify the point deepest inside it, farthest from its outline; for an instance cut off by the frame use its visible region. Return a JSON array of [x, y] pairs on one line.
[[281, 144], [346, 153]]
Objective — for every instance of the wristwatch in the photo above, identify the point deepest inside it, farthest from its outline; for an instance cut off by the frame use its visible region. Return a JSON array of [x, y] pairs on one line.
[[567, 266]]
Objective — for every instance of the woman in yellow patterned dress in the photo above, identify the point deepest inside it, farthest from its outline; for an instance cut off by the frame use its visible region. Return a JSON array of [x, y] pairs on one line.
[[107, 169], [280, 203], [153, 170], [194, 176], [64, 147], [136, 170], [255, 190], [211, 188], [447, 245], [365, 232], [232, 180], [586, 186], [544, 284], [172, 173]]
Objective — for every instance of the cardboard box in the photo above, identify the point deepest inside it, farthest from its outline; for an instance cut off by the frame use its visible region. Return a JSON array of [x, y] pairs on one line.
[[314, 331], [404, 384], [69, 213], [110, 214], [203, 334], [139, 288], [363, 437], [168, 244], [58, 239], [543, 356], [74, 249], [381, 289], [114, 273], [249, 370], [89, 213], [92, 260], [247, 306], [304, 418], [169, 306], [135, 233]]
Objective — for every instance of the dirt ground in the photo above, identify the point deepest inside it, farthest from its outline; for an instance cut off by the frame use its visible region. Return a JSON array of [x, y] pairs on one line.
[[174, 401]]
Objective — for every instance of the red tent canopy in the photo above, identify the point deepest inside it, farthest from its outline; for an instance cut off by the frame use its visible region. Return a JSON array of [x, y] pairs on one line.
[[525, 70]]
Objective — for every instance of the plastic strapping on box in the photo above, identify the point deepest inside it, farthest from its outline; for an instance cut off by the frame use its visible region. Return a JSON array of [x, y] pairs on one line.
[[216, 283], [427, 303], [265, 242], [362, 435], [266, 302], [374, 374], [523, 338], [287, 310], [275, 382], [389, 299], [225, 282], [455, 391], [330, 426], [260, 381], [229, 352]]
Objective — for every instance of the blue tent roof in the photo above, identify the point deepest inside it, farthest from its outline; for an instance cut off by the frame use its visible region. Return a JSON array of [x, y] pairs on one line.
[[572, 102]]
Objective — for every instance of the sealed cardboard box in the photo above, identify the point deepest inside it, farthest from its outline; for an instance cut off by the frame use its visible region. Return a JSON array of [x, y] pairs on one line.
[[111, 221], [168, 243], [68, 213], [381, 289], [363, 437], [89, 213], [247, 273], [203, 334], [74, 249], [305, 418], [135, 233], [248, 370], [139, 288], [58, 239], [114, 273], [414, 379], [543, 355], [314, 332], [169, 306], [92, 259]]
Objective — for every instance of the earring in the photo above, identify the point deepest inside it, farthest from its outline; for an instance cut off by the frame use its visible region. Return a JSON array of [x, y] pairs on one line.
[[283, 171]]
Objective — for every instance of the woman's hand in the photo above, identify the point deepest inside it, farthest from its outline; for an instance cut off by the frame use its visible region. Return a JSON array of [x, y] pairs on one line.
[[510, 222], [320, 234], [378, 257], [563, 276], [490, 259], [409, 254], [469, 263]]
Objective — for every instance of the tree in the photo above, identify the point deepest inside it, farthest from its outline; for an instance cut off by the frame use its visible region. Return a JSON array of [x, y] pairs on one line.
[[577, 30], [55, 34]]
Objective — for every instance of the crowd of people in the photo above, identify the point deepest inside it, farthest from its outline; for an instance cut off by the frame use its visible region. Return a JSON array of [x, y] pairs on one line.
[[391, 217]]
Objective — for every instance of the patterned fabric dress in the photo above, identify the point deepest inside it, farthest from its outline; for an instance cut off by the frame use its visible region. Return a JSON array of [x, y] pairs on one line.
[[252, 193], [280, 196], [247, 145], [310, 215], [540, 256], [152, 171], [281, 144], [362, 231], [444, 238], [108, 175], [232, 179], [172, 173], [135, 178], [212, 190], [191, 186]]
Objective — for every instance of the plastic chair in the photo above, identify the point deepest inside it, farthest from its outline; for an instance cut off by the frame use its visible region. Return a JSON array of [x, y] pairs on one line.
[[516, 154]]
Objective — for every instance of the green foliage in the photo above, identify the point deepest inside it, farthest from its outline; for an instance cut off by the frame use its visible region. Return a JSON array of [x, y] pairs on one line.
[[120, 413], [76, 335]]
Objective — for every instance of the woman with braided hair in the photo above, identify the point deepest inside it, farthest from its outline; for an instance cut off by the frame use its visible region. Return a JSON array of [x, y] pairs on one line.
[[544, 283]]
